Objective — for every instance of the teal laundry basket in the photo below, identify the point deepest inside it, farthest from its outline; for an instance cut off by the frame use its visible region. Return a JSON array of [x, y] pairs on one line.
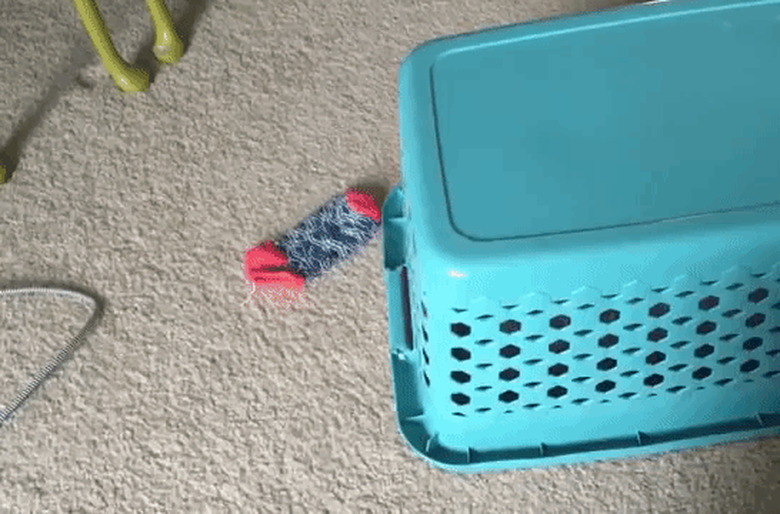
[[582, 258]]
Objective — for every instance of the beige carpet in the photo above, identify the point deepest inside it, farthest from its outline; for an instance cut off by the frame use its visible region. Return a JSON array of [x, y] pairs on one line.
[[186, 399]]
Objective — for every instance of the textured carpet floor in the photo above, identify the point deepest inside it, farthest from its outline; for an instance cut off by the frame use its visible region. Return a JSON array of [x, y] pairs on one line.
[[187, 399]]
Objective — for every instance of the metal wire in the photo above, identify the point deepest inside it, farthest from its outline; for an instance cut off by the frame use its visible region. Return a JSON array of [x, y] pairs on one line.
[[72, 295]]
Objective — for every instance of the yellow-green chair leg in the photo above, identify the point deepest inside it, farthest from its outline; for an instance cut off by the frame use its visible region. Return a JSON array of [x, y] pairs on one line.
[[126, 77], [168, 48]]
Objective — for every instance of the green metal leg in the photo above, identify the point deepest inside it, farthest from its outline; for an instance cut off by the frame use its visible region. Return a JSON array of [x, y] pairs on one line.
[[126, 77], [168, 48]]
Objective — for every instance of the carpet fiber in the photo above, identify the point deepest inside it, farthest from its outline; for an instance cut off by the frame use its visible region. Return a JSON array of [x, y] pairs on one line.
[[188, 398]]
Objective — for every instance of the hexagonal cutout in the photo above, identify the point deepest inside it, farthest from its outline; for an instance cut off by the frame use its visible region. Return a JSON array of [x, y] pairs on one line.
[[606, 364], [460, 329], [460, 354], [559, 346], [608, 340], [653, 380], [605, 386], [657, 334], [558, 370], [758, 295], [509, 351], [609, 316], [749, 366], [709, 302], [560, 321], [752, 343], [706, 327], [509, 326], [508, 396], [509, 374], [460, 377], [755, 320], [704, 350], [658, 310], [701, 373], [557, 392], [460, 399], [655, 358]]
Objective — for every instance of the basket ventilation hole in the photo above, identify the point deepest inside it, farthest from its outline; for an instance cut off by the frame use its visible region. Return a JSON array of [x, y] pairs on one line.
[[771, 374], [629, 373], [758, 295], [460, 377], [484, 365], [678, 367], [653, 380], [425, 334], [682, 321], [606, 364], [605, 386], [557, 392], [425, 357], [508, 396], [684, 294], [708, 302], [509, 326], [560, 321], [701, 373], [676, 389], [773, 353], [427, 380], [734, 286], [631, 351], [532, 362], [704, 351], [579, 401], [749, 366], [755, 320], [633, 326], [461, 354], [706, 327], [658, 310], [484, 317], [460, 329], [657, 334], [727, 337], [424, 310], [725, 360], [752, 343], [655, 358], [634, 301], [723, 381], [509, 351], [558, 370], [460, 399], [509, 374], [626, 396], [731, 313], [609, 316], [559, 346], [608, 341], [580, 380], [582, 356]]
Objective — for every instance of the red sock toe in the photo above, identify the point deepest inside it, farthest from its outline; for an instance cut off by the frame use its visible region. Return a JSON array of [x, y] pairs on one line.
[[266, 255], [363, 203], [280, 279]]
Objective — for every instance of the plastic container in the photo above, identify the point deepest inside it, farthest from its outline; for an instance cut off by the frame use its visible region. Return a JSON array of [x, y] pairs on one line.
[[582, 257]]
